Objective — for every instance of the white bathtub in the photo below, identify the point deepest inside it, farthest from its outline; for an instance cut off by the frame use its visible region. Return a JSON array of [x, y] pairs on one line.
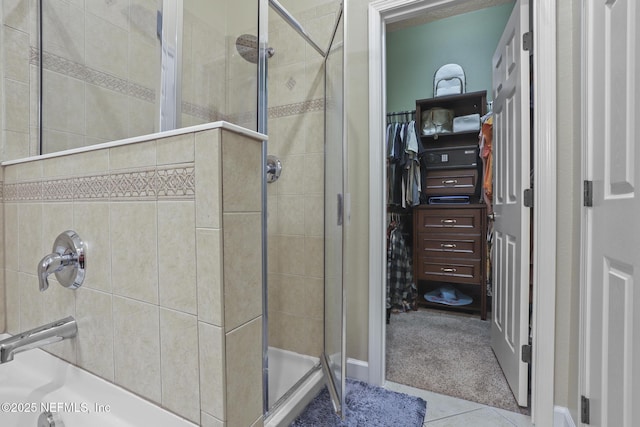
[[35, 382]]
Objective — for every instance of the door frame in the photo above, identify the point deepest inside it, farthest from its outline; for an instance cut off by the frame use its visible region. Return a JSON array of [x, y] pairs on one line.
[[544, 143]]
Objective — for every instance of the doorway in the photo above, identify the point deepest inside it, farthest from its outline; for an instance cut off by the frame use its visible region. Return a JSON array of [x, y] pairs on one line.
[[441, 322], [382, 13]]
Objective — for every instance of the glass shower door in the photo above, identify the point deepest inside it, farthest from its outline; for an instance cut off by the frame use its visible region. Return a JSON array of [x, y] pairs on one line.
[[336, 217]]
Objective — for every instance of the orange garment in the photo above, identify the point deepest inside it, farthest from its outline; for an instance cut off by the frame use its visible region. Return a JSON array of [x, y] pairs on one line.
[[486, 153]]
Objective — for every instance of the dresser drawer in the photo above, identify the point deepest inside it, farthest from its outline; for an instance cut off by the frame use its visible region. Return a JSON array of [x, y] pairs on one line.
[[453, 270], [449, 245], [449, 220], [456, 182]]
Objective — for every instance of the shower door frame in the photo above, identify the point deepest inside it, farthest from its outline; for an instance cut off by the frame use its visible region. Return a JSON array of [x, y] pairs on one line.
[[262, 103]]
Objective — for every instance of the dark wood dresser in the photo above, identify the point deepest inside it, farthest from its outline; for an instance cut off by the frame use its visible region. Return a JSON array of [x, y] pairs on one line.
[[449, 246]]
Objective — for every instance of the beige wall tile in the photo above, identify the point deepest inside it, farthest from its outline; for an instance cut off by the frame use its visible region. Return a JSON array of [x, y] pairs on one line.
[[30, 246], [290, 137], [12, 298], [241, 173], [16, 14], [11, 238], [209, 276], [142, 117], [16, 55], [291, 215], [209, 421], [314, 176], [291, 180], [314, 215], [32, 313], [301, 334], [108, 57], [92, 223], [63, 106], [314, 78], [134, 266], [56, 218], [95, 352], [177, 256], [137, 329], [16, 145], [176, 149], [314, 256], [59, 304], [64, 30], [16, 95], [208, 179], [244, 374], [180, 363], [144, 58], [29, 171], [314, 132], [141, 9], [90, 162], [242, 272], [101, 103], [290, 255], [212, 370], [115, 12]]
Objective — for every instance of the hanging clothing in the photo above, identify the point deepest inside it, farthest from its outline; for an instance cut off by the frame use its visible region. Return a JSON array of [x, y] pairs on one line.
[[401, 291], [486, 154], [404, 176]]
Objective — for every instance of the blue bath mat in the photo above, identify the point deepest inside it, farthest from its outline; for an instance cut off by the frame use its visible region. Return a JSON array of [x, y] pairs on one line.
[[366, 406]]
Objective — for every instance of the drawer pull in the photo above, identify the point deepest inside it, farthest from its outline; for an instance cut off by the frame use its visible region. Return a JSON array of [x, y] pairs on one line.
[[448, 245], [449, 181], [448, 221], [448, 270]]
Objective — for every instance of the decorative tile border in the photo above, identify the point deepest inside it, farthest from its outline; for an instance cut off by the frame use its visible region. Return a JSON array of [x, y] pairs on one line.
[[201, 112], [67, 67], [297, 108], [167, 183]]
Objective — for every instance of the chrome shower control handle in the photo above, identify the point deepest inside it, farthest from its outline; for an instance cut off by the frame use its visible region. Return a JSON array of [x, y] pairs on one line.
[[67, 261]]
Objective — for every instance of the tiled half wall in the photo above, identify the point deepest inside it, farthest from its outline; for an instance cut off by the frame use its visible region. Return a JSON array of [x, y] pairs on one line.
[[171, 307]]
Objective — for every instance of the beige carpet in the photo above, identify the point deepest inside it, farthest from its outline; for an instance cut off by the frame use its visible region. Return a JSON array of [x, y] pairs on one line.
[[447, 353]]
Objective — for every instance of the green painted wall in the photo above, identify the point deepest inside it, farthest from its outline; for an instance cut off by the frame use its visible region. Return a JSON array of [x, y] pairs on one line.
[[414, 54]]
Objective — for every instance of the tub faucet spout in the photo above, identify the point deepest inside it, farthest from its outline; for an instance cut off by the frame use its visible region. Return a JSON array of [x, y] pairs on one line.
[[38, 337]]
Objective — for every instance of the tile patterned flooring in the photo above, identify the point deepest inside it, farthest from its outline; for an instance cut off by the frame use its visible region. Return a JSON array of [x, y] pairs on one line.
[[446, 411]]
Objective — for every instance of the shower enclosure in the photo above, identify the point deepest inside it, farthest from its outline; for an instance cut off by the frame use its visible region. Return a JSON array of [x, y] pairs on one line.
[[120, 69]]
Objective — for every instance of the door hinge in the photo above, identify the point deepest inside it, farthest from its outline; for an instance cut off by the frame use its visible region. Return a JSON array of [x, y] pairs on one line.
[[584, 410], [527, 197], [526, 353], [527, 41], [588, 193]]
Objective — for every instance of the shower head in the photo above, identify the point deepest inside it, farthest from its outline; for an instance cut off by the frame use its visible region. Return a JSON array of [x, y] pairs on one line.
[[247, 47]]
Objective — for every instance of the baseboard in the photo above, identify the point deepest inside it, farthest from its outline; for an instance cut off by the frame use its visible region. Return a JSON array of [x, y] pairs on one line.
[[358, 369], [562, 417]]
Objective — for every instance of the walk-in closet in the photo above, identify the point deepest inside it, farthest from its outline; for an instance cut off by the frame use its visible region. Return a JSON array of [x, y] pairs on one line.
[[450, 98]]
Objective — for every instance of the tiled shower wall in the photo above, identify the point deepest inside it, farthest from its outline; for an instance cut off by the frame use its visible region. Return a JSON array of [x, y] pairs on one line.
[[296, 200], [102, 70], [171, 307]]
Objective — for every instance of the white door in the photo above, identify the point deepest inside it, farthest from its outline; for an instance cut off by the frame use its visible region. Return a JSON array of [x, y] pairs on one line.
[[510, 306], [611, 259]]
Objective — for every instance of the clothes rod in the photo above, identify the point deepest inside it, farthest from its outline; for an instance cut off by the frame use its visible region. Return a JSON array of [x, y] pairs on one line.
[[399, 113]]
